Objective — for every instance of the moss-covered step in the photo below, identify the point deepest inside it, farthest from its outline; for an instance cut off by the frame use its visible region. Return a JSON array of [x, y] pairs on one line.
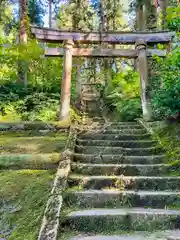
[[116, 198], [140, 219], [120, 131], [117, 123], [4, 126], [32, 144], [98, 136], [124, 182], [30, 161], [118, 150], [123, 235], [125, 131], [120, 158], [122, 126], [107, 126], [32, 133], [115, 143], [122, 169]]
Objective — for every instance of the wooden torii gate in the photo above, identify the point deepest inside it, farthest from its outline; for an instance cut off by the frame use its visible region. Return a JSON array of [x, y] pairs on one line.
[[140, 39]]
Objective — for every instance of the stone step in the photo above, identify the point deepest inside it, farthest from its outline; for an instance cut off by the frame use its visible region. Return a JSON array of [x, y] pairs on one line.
[[41, 133], [119, 131], [95, 158], [122, 169], [117, 150], [98, 136], [114, 143], [91, 96], [125, 182], [139, 219], [23, 126], [122, 126], [116, 123], [157, 235], [116, 126], [97, 121], [116, 198]]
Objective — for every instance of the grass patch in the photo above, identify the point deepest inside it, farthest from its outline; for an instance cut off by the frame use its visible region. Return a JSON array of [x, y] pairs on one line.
[[24, 194]]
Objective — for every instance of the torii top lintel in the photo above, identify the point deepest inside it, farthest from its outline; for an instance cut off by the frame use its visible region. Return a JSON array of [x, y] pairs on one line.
[[58, 36]]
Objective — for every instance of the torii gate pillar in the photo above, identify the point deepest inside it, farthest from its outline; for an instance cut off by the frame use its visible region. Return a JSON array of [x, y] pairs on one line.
[[66, 81], [144, 81]]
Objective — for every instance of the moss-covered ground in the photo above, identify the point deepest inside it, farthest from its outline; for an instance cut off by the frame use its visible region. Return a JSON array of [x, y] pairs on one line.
[[26, 180], [24, 194], [19, 150], [31, 144]]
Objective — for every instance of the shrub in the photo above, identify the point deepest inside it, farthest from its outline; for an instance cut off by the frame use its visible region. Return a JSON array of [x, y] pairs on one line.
[[166, 85], [123, 95]]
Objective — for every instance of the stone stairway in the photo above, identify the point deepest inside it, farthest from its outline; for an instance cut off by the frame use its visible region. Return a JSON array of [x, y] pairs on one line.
[[120, 183]]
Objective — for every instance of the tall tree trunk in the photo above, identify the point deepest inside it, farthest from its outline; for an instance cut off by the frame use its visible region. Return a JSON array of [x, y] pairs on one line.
[[103, 28], [150, 15], [50, 13], [23, 22], [78, 81], [163, 6], [140, 21], [75, 27], [102, 21], [22, 65]]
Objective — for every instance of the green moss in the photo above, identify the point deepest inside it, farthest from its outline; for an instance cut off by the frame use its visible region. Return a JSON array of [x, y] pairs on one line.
[[32, 133], [32, 145], [29, 161], [24, 194], [68, 234], [110, 224], [21, 150]]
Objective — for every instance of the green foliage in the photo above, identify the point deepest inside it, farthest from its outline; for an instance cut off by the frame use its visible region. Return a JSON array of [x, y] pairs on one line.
[[173, 18], [40, 101], [25, 104], [36, 11], [166, 85], [129, 110], [166, 75], [76, 15], [168, 136], [123, 95]]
